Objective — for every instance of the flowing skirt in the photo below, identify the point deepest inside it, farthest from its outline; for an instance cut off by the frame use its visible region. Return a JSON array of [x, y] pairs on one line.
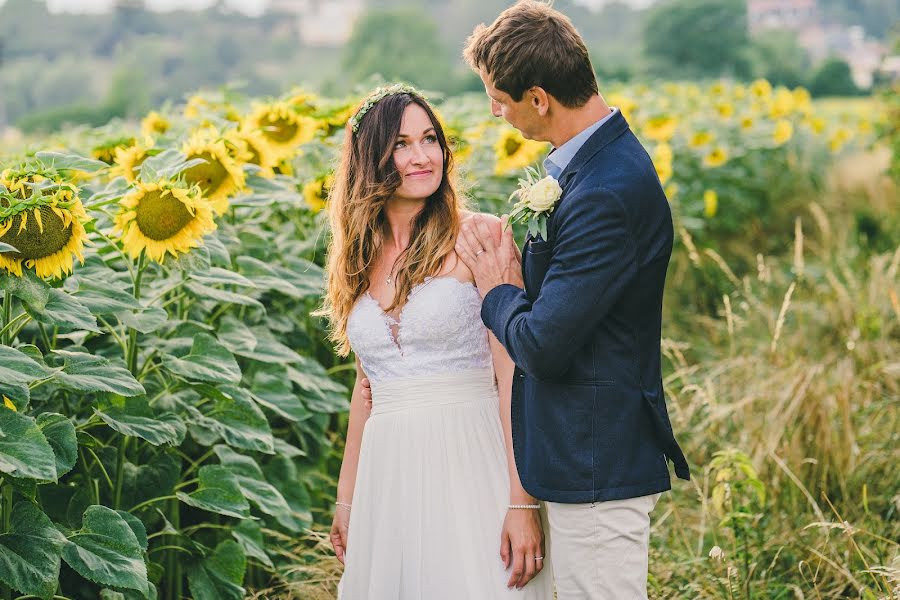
[[431, 494]]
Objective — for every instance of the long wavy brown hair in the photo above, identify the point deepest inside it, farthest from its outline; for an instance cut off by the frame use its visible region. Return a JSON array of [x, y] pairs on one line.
[[365, 179]]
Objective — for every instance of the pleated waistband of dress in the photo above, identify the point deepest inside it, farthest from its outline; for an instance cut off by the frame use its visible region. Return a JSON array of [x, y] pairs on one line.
[[426, 391]]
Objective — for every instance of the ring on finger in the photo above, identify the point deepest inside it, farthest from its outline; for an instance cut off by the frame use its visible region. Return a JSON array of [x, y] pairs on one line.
[[479, 252], [538, 558]]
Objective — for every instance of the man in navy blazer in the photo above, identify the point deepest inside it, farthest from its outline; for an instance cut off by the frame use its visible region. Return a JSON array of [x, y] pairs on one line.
[[579, 312]]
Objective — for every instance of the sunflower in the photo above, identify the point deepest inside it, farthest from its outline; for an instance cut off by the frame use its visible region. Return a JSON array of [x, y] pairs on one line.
[[220, 176], [128, 162], [671, 190], [725, 109], [660, 128], [283, 128], [746, 122], [163, 217], [154, 124], [316, 192], [663, 170], [107, 150], [761, 88], [710, 203], [701, 138], [782, 103], [715, 157], [515, 152], [248, 146], [784, 131], [46, 228]]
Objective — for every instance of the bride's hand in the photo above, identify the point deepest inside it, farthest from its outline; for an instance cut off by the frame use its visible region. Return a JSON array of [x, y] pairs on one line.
[[339, 527], [521, 540]]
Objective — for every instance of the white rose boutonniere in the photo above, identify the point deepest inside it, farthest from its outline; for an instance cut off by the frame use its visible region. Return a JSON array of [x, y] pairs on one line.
[[537, 197]]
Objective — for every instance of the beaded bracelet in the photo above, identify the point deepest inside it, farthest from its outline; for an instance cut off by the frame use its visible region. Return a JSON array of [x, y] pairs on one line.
[[531, 506], [344, 504]]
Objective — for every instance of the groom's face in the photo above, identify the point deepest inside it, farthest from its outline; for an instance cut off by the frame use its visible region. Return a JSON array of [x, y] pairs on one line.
[[522, 115]]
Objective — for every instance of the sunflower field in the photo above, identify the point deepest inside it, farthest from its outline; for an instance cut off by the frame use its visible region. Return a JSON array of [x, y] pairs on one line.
[[172, 415]]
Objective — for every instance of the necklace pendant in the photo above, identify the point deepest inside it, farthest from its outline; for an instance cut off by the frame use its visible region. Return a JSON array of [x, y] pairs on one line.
[[389, 281]]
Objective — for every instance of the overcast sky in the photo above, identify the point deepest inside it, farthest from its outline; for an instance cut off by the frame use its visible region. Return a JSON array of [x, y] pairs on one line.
[[246, 6]]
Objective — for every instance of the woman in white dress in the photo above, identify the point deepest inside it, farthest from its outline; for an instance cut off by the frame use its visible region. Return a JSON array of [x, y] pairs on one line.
[[429, 503]]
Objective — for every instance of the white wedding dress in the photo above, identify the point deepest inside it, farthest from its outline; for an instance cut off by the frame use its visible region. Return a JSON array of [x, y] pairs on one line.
[[432, 486]]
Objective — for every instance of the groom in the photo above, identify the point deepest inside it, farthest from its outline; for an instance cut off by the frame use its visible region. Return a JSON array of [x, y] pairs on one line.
[[590, 428]]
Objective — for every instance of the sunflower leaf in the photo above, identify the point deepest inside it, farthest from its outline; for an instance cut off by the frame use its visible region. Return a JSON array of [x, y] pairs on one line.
[[135, 418], [219, 577], [255, 488], [65, 311], [24, 451], [17, 368], [107, 551], [104, 299], [204, 291], [4, 247], [60, 434], [273, 389], [234, 416], [83, 372], [30, 552], [208, 361], [249, 535], [217, 492], [28, 288], [73, 162], [147, 320], [282, 473]]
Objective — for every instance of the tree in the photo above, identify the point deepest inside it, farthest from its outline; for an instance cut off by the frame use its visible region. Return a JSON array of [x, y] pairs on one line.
[[833, 78], [698, 38], [779, 58], [398, 44]]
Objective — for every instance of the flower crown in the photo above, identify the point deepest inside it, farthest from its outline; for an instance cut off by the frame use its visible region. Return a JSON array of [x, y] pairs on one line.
[[377, 96]]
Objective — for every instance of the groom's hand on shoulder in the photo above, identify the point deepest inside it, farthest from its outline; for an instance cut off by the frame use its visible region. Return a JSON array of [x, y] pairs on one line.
[[486, 245]]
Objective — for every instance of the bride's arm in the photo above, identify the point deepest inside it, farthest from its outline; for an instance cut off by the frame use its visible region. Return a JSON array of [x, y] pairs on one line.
[[347, 478], [522, 537]]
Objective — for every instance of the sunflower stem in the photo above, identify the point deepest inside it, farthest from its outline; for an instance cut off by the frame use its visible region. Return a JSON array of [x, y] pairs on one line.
[[120, 465], [7, 519], [10, 329], [45, 337], [7, 318]]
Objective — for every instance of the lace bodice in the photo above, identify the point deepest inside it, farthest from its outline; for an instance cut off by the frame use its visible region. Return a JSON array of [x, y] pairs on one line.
[[439, 330]]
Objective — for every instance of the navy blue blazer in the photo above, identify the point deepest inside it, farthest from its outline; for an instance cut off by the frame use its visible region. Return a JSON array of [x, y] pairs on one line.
[[589, 419]]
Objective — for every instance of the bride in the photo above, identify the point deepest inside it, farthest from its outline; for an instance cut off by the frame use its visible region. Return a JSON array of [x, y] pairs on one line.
[[429, 503]]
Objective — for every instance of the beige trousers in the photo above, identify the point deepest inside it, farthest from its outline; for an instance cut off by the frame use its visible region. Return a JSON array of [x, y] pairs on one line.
[[600, 550]]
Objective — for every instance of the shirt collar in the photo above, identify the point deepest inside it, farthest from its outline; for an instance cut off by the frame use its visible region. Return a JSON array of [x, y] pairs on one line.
[[560, 157]]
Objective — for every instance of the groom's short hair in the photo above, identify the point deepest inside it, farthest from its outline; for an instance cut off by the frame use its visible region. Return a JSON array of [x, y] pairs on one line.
[[531, 44]]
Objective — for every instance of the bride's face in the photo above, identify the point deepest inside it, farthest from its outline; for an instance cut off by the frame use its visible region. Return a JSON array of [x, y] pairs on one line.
[[418, 155]]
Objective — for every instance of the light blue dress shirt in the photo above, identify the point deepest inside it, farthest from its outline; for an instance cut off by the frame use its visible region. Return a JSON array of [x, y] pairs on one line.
[[560, 158]]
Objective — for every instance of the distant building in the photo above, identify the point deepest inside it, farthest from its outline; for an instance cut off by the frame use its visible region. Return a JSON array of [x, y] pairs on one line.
[[781, 14], [325, 23], [820, 40]]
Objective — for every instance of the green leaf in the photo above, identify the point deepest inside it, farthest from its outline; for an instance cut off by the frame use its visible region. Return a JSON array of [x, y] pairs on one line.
[[62, 162], [219, 577], [234, 415], [28, 288], [104, 299], [17, 368], [272, 389], [282, 473], [64, 311], [211, 293], [30, 552], [253, 484], [320, 393], [137, 527], [18, 393], [153, 478], [208, 361], [4, 247], [106, 550], [195, 261], [85, 372], [147, 320], [134, 417], [249, 535], [24, 451], [60, 434], [236, 336], [217, 492], [218, 275]]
